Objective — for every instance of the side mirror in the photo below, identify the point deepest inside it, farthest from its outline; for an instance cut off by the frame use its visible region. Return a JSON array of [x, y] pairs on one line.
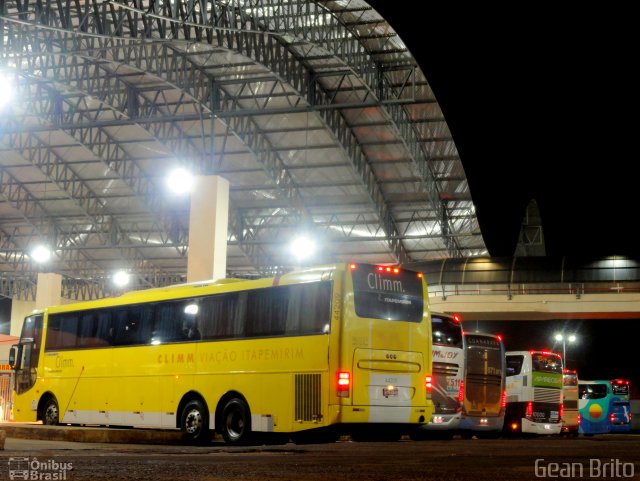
[[14, 356]]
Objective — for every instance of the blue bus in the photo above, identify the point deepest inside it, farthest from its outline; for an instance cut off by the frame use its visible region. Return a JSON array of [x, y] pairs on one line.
[[594, 400], [620, 406]]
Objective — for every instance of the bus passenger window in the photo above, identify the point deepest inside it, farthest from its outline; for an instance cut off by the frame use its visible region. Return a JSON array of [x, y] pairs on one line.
[[133, 325], [190, 330]]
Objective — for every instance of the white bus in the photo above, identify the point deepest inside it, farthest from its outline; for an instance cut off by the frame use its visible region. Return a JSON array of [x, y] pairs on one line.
[[534, 392], [484, 395], [448, 373]]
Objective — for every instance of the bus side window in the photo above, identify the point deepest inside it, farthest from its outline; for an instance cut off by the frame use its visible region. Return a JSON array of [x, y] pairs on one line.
[[63, 331], [133, 325], [309, 310], [222, 316], [190, 315], [93, 329], [176, 321]]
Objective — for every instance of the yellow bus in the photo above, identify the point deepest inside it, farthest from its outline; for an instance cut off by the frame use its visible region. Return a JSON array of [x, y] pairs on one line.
[[322, 351]]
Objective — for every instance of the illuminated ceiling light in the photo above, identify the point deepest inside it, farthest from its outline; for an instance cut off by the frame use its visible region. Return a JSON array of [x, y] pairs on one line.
[[303, 247], [180, 181], [121, 278], [41, 254]]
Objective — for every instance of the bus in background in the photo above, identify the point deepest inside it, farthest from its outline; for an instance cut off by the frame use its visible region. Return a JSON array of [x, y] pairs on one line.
[[571, 413], [448, 370], [594, 403], [534, 392], [308, 355], [620, 407], [483, 386]]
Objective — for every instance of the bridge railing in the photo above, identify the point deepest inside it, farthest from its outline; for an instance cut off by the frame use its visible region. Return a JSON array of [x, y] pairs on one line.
[[509, 290]]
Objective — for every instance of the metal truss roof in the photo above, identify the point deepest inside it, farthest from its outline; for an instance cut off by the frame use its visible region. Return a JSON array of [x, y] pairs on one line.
[[315, 112]]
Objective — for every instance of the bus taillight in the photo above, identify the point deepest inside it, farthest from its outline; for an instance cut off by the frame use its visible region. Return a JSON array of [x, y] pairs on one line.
[[529, 412], [562, 411], [344, 382], [612, 418], [461, 392], [503, 401], [388, 269], [428, 383]]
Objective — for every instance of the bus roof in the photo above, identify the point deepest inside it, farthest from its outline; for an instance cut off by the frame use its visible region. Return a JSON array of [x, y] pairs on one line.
[[526, 353], [213, 286]]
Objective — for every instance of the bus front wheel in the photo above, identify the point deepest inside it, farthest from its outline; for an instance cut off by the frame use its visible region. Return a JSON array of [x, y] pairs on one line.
[[50, 412], [195, 422], [236, 422]]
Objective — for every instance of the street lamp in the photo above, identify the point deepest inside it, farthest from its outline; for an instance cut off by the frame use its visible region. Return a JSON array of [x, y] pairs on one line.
[[571, 338]]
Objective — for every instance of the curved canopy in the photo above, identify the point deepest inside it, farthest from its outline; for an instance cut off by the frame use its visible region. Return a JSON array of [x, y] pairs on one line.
[[314, 111]]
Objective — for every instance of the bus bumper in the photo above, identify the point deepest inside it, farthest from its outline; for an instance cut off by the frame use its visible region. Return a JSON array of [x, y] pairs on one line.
[[380, 414], [443, 422], [540, 428], [481, 423]]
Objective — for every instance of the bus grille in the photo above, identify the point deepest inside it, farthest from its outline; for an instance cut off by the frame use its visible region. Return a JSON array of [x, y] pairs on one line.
[[547, 395], [308, 397], [484, 379], [445, 369]]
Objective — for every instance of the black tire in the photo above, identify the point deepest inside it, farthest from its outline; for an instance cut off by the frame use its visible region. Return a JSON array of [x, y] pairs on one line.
[[51, 412], [235, 422], [194, 422]]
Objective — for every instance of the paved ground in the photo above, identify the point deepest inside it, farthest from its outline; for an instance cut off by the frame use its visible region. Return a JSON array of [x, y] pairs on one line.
[[598, 457]]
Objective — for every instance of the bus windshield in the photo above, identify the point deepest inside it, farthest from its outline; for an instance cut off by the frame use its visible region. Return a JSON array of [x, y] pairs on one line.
[[570, 379], [387, 293], [446, 331], [484, 355], [620, 388], [592, 391], [543, 362]]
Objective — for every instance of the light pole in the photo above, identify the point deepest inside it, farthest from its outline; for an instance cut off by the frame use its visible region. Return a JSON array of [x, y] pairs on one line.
[[563, 339]]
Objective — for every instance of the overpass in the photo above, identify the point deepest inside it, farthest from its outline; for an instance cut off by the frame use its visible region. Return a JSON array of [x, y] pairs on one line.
[[534, 288]]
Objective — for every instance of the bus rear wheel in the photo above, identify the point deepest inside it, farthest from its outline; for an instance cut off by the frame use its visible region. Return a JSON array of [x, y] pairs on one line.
[[195, 422], [236, 422], [51, 412]]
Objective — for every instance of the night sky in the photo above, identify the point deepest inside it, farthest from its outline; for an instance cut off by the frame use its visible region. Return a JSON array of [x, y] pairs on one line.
[[604, 349], [542, 104]]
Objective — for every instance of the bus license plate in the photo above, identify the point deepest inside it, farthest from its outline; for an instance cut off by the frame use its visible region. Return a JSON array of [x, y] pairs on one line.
[[389, 391]]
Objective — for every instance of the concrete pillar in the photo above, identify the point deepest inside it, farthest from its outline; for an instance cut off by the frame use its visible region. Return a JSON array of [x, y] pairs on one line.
[[48, 293], [208, 225], [19, 310], [48, 290]]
